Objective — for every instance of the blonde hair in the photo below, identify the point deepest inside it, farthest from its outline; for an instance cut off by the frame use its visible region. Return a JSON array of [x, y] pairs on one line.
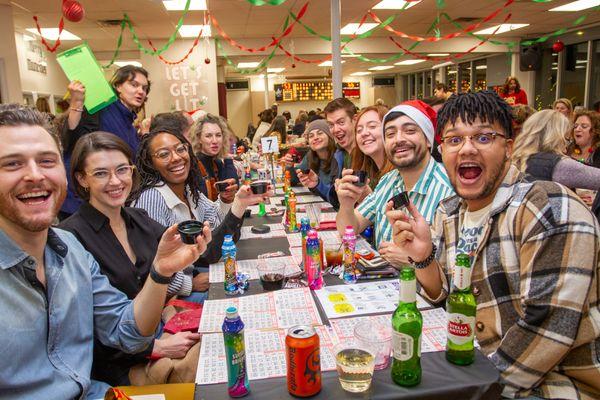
[[196, 131], [543, 132], [566, 102]]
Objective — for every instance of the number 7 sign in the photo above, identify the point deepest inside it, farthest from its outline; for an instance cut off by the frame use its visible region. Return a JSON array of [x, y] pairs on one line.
[[270, 144]]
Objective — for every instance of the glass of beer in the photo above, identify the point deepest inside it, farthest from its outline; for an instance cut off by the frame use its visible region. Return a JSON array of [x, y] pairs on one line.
[[355, 364], [378, 337]]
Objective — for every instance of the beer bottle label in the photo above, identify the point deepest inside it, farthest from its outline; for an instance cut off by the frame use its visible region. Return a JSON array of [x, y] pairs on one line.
[[462, 277], [460, 328], [408, 291], [403, 346]]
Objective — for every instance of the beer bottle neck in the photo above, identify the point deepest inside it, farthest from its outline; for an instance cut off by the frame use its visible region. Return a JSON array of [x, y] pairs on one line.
[[461, 280], [408, 291]]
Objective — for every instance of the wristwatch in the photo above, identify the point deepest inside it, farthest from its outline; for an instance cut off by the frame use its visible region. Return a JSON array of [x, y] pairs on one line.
[[158, 278], [425, 262]]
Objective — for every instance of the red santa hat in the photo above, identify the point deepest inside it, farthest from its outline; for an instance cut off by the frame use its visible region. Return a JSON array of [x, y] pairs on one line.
[[421, 113]]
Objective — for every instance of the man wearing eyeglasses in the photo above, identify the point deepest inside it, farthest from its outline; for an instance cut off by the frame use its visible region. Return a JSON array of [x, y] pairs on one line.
[[408, 132], [534, 251]]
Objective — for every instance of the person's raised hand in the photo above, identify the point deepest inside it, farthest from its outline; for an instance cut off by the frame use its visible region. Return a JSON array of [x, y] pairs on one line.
[[228, 195], [411, 233], [287, 160], [309, 180], [172, 255], [175, 346], [393, 254], [77, 94], [348, 193]]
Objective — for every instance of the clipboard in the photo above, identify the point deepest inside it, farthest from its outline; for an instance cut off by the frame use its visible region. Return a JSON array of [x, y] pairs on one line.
[[79, 63]]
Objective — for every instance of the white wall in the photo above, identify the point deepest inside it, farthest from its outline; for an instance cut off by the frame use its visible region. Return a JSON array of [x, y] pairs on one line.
[[53, 82], [10, 85]]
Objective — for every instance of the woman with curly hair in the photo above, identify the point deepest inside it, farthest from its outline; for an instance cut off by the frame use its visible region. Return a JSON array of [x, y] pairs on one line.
[[585, 138], [170, 192], [512, 92]]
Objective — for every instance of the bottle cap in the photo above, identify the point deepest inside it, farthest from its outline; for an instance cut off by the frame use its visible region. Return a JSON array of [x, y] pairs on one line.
[[349, 231], [231, 312], [228, 238]]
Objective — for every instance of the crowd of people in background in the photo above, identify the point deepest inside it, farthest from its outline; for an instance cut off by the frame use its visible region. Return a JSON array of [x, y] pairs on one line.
[[486, 175]]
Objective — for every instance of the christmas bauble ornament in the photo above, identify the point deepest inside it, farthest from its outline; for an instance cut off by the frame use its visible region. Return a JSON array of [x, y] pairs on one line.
[[558, 46], [207, 60], [73, 10], [293, 65]]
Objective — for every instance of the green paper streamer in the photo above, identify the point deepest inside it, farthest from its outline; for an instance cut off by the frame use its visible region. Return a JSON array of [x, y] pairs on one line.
[[260, 66], [263, 2], [364, 35]]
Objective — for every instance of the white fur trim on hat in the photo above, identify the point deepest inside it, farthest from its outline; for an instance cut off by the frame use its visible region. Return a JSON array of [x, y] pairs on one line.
[[416, 115]]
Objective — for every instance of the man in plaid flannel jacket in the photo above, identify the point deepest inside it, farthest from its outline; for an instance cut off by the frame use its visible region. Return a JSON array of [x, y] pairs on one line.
[[535, 250]]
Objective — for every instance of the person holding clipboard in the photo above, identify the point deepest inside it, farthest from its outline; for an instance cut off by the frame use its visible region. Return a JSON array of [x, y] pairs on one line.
[[131, 85]]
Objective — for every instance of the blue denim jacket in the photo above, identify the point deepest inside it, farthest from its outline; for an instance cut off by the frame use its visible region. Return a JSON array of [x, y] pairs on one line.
[[46, 336]]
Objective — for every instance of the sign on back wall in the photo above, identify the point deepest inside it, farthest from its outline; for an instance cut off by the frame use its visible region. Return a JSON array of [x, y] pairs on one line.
[[187, 86]]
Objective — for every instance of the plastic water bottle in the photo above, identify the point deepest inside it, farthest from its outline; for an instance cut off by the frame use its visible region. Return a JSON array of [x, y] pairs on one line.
[[314, 267], [349, 244], [235, 354], [228, 250]]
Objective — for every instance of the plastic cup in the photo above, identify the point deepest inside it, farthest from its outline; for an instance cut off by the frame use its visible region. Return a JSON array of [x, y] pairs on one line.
[[313, 211], [333, 256], [271, 275], [376, 337], [354, 364]]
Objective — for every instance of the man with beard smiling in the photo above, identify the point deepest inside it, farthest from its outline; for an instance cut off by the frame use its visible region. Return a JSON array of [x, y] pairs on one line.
[[534, 251], [53, 298], [408, 132]]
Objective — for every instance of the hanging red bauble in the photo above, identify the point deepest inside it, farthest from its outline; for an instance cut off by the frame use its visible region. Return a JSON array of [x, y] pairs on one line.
[[558, 46], [293, 65], [207, 60], [73, 10]]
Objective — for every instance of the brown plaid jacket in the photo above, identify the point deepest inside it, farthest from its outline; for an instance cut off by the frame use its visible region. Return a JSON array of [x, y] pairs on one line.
[[535, 278]]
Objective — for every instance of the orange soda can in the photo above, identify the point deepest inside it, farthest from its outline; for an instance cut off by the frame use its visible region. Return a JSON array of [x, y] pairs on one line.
[[303, 357]]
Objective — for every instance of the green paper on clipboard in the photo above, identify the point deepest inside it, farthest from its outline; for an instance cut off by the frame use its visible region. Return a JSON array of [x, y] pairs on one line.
[[80, 64]]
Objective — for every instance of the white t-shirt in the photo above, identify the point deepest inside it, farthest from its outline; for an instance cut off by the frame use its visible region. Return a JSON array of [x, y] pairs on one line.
[[471, 230]]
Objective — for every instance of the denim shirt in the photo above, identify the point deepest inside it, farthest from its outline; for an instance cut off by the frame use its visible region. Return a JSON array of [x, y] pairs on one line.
[[46, 336]]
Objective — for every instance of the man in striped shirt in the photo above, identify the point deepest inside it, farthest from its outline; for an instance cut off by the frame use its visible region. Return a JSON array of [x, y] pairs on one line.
[[534, 252], [408, 131]]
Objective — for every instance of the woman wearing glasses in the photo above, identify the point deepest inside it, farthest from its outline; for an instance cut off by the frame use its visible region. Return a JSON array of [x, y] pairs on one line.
[[170, 191], [123, 240]]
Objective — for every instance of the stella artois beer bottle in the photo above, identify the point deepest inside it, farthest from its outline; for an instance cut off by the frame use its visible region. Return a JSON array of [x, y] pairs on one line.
[[461, 307], [407, 326]]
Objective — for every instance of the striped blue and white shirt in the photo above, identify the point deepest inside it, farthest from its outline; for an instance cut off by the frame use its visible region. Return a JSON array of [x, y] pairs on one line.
[[432, 187]]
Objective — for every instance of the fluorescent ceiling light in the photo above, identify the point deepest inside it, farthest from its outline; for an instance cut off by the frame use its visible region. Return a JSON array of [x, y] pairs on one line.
[[452, 72], [438, 54], [271, 76], [581, 61], [122, 63], [361, 73], [577, 5], [192, 31], [501, 29], [381, 67], [446, 64], [481, 67], [409, 62], [252, 64], [353, 28], [52, 34], [275, 70], [580, 67], [395, 5], [328, 63], [176, 5]]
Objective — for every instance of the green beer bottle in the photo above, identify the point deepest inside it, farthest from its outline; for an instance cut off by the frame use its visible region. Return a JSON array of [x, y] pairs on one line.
[[460, 308], [407, 325]]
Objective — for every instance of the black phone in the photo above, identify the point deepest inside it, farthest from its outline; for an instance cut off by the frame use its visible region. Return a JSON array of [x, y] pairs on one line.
[[400, 200]]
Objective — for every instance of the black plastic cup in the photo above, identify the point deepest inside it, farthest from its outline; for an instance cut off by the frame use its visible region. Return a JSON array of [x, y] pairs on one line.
[[259, 187], [305, 171], [189, 231], [400, 200], [362, 178], [221, 186]]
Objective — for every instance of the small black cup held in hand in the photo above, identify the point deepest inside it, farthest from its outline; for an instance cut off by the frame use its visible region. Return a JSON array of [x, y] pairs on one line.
[[189, 231], [259, 187], [400, 201], [362, 178], [222, 186]]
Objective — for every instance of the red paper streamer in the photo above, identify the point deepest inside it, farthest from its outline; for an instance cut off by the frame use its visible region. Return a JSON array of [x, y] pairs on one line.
[[450, 58], [185, 57], [61, 26], [468, 29], [274, 42]]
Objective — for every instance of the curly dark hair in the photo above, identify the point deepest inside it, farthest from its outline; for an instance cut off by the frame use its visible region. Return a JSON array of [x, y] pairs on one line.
[[150, 177], [485, 105]]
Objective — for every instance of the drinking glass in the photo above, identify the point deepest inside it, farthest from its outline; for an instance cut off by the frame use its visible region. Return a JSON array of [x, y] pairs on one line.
[[377, 337], [313, 211], [355, 364], [271, 275]]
